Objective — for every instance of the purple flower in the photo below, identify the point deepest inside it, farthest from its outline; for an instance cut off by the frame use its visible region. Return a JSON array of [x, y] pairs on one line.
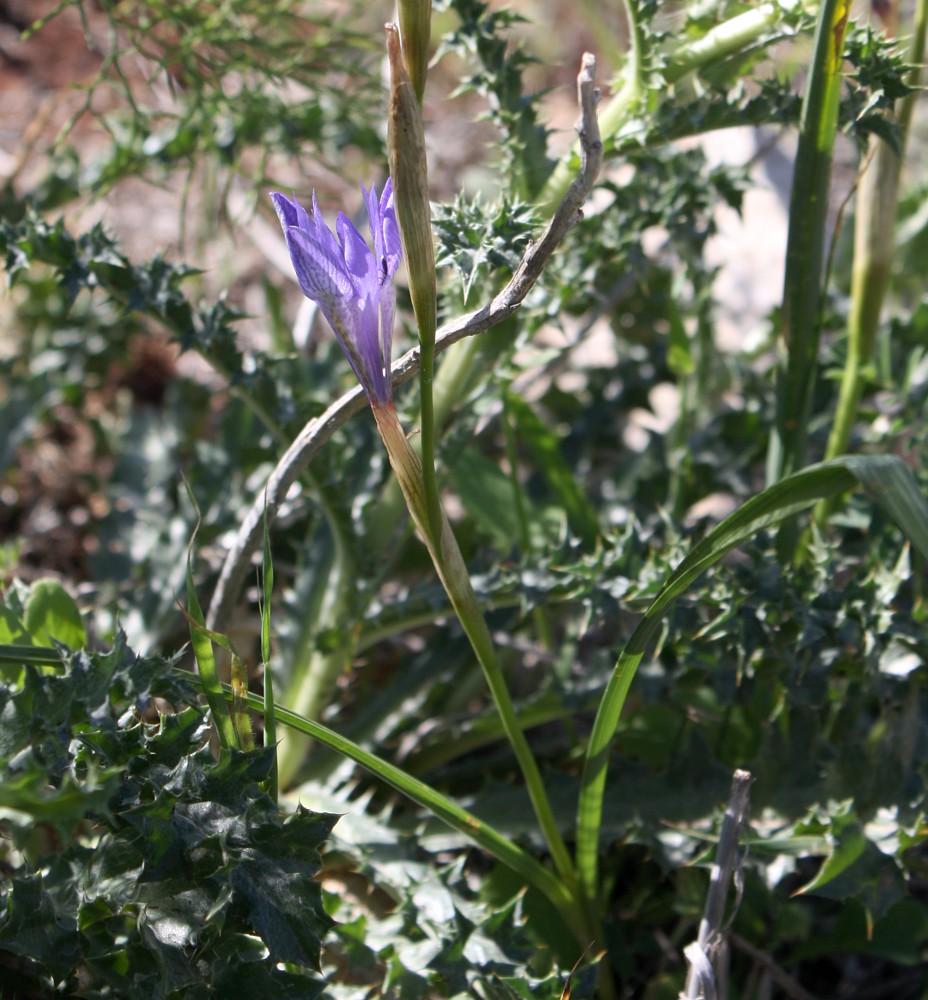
[[351, 284]]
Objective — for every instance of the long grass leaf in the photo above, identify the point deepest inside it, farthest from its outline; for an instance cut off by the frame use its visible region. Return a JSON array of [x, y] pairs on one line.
[[886, 479], [267, 590], [474, 829], [203, 649]]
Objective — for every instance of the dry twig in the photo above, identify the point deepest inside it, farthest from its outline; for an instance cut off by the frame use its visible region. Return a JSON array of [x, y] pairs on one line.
[[794, 990], [702, 977]]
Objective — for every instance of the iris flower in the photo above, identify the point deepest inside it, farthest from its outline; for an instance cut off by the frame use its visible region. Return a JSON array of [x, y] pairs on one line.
[[351, 283]]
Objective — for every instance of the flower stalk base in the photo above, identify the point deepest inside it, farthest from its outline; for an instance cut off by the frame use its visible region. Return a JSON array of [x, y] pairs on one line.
[[452, 571]]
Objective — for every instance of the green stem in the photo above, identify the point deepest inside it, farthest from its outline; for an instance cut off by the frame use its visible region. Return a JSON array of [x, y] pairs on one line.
[[634, 70], [722, 41], [868, 289], [808, 218], [877, 203], [451, 569], [409, 172]]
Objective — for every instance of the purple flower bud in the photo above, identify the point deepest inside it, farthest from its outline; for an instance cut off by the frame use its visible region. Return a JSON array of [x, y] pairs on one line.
[[351, 284]]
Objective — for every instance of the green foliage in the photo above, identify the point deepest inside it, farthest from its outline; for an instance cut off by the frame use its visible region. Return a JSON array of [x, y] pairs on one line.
[[483, 35], [94, 261], [879, 78], [856, 867], [133, 863], [437, 936], [244, 76], [886, 478], [137, 864], [670, 189], [477, 239], [715, 107]]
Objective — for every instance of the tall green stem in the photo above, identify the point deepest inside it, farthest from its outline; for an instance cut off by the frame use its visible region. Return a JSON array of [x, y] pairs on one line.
[[877, 202], [451, 569], [723, 41], [409, 171], [805, 249]]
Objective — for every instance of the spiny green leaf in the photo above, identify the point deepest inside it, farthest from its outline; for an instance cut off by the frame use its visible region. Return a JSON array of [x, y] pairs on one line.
[[888, 481], [857, 869]]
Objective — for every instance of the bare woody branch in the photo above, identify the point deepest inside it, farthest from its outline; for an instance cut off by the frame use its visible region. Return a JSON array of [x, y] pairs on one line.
[[704, 953], [319, 430]]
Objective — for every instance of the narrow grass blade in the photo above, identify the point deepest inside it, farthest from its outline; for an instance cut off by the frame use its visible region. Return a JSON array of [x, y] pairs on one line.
[[37, 656], [886, 479], [203, 650], [549, 460], [476, 830], [267, 590]]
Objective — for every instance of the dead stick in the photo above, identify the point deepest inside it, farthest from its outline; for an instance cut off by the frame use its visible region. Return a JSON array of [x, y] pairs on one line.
[[785, 981], [701, 978]]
